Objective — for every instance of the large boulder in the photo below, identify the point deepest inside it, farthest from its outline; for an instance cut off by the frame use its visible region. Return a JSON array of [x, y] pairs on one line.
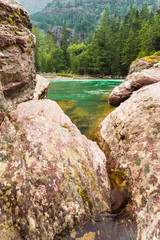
[[52, 178], [142, 72], [41, 88], [130, 138], [17, 40]]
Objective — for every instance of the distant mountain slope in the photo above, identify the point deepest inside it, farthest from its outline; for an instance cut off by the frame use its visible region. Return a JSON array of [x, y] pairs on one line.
[[33, 6], [84, 14]]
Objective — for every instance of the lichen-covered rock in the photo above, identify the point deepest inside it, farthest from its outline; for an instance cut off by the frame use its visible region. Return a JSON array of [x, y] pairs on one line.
[[142, 72], [3, 104], [52, 178], [130, 138], [133, 82], [144, 63], [17, 44], [41, 88]]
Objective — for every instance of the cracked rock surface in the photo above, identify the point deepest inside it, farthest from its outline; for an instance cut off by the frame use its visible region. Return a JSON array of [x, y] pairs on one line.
[[130, 138]]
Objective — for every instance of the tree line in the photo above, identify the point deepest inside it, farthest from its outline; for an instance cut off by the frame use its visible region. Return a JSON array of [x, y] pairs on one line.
[[108, 51]]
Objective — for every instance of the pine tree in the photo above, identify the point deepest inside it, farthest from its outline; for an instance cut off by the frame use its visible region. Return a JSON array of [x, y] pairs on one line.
[[75, 51], [100, 50], [37, 49], [75, 37], [64, 43], [90, 38], [144, 14], [156, 31], [116, 32], [130, 38]]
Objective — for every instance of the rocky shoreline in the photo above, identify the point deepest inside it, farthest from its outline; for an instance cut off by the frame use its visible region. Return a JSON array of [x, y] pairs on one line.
[[73, 76]]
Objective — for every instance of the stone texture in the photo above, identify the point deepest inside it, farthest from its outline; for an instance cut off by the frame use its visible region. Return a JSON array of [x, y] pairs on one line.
[[112, 229], [139, 64], [130, 138], [3, 104], [17, 40], [41, 88], [134, 82], [52, 178], [142, 72]]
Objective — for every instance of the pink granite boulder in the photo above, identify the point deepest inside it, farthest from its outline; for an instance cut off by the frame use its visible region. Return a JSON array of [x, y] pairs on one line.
[[133, 82], [17, 42], [130, 138], [142, 72], [52, 178]]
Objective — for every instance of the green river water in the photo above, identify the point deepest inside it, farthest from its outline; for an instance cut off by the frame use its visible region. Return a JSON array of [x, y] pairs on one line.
[[85, 101]]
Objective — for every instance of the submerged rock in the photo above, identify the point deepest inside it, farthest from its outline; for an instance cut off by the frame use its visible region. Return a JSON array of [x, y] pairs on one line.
[[130, 138], [52, 178], [17, 40], [66, 105], [142, 72]]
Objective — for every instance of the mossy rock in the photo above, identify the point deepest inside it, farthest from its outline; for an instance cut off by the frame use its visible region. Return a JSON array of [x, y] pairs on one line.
[[155, 58]]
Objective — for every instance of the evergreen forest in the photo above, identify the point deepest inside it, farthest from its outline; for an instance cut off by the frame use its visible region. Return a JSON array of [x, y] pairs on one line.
[[107, 51], [83, 15]]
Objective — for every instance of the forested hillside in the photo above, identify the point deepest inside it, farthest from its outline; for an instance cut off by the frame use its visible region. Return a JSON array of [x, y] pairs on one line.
[[110, 50], [32, 6], [83, 15]]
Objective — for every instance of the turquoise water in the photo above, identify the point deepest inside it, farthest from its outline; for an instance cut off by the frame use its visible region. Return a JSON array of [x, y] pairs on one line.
[[84, 100]]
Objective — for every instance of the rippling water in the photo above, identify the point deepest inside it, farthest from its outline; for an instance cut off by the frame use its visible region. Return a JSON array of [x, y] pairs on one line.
[[84, 100]]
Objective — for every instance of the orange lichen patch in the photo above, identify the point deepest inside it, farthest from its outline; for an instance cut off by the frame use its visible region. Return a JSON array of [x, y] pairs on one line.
[[154, 58], [1, 124], [88, 236], [119, 179], [73, 234], [85, 198]]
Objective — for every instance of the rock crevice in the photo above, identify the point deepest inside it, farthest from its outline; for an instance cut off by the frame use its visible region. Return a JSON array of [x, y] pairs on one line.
[[131, 141]]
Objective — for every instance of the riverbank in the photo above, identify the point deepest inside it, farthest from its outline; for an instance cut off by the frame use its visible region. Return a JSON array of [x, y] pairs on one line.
[[74, 76]]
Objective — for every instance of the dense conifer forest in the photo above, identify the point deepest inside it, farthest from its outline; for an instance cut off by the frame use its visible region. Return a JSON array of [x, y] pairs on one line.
[[83, 15], [107, 51]]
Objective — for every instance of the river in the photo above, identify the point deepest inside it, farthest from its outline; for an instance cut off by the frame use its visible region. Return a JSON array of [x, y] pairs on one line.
[[85, 101]]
